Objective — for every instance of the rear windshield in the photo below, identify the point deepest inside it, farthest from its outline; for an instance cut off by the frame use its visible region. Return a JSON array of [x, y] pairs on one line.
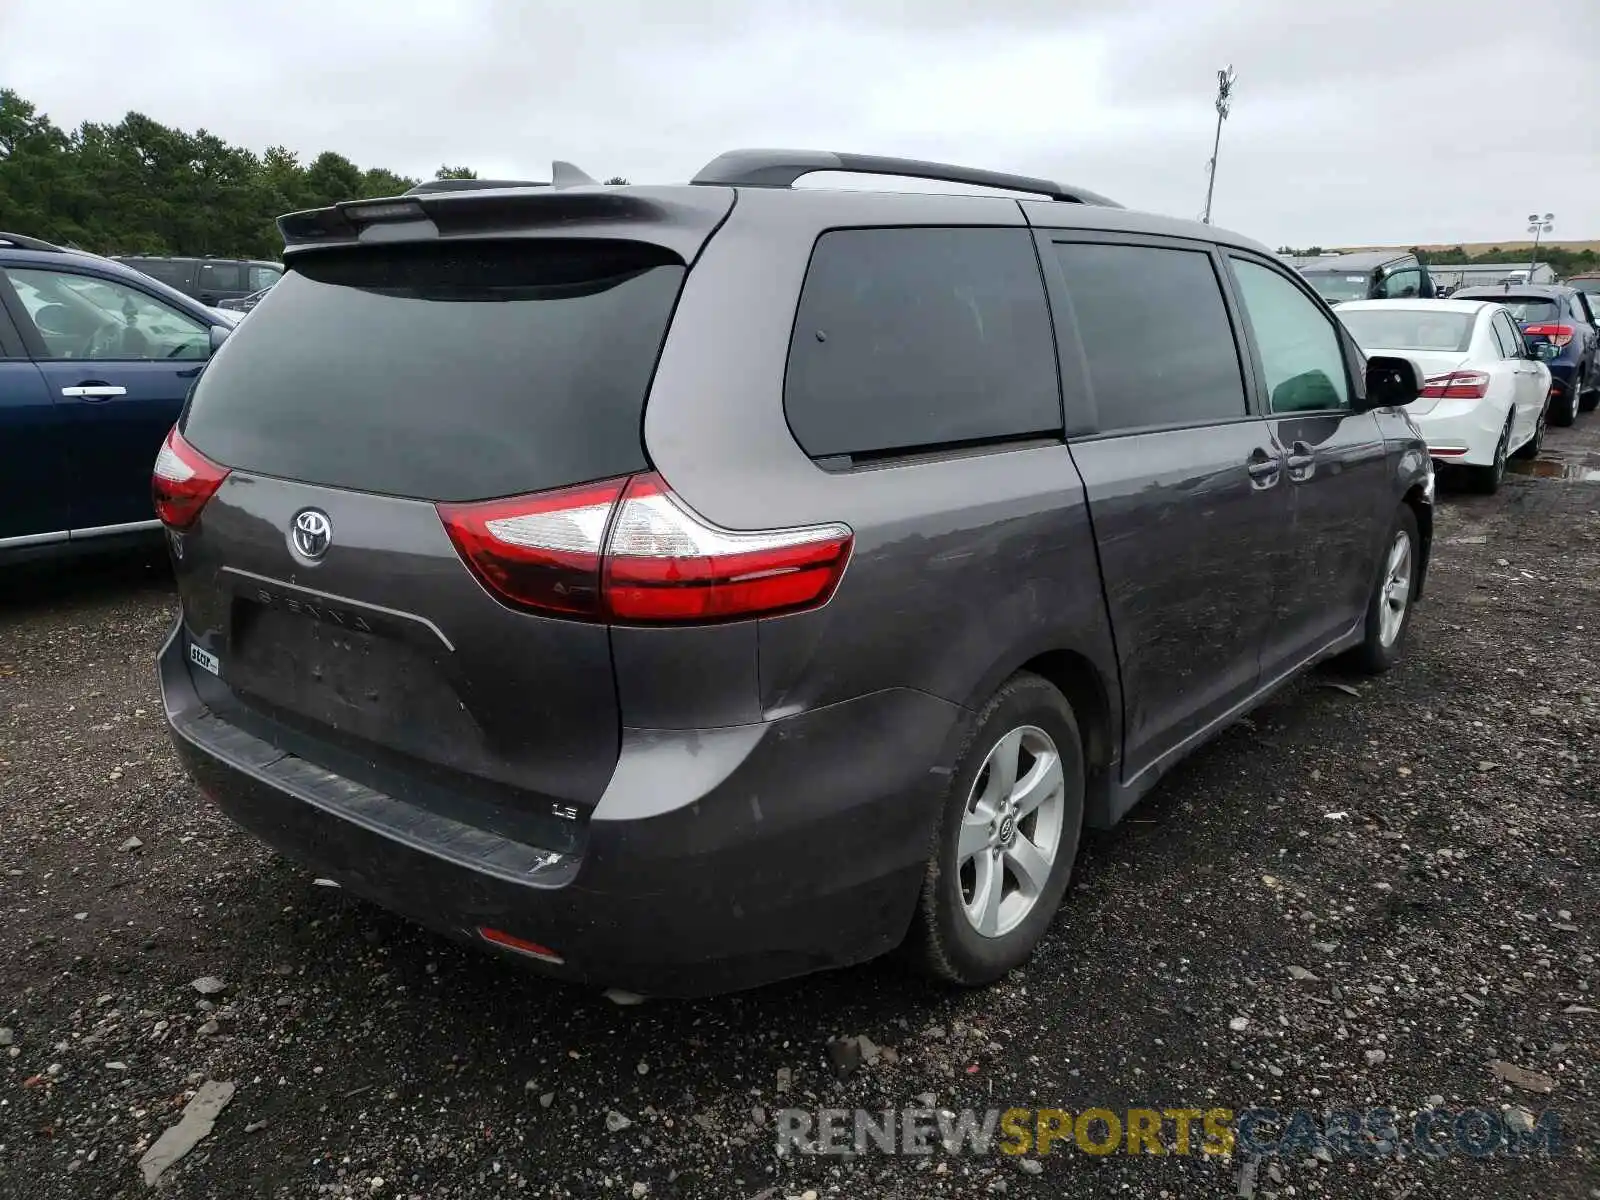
[[1527, 309], [444, 371], [1409, 329], [1342, 285]]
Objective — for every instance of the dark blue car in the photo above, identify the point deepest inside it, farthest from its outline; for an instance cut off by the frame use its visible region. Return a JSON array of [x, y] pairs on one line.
[[95, 362], [1561, 316]]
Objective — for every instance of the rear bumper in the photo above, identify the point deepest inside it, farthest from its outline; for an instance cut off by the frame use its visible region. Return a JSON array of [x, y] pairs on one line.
[[716, 859], [1456, 426]]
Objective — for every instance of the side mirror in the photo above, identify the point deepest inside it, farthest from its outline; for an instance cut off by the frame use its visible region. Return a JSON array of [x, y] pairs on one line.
[[1392, 381], [219, 334]]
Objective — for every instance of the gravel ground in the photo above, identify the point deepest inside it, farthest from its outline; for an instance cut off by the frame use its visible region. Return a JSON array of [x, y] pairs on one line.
[[1352, 899]]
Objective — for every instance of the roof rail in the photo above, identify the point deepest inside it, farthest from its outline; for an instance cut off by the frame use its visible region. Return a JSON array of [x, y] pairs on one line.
[[18, 242], [780, 168]]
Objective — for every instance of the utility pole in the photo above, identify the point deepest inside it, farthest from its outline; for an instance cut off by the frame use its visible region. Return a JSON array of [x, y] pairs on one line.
[[1538, 226], [1225, 81]]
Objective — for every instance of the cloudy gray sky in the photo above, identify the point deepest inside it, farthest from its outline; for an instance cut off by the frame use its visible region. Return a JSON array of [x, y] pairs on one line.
[[1356, 121]]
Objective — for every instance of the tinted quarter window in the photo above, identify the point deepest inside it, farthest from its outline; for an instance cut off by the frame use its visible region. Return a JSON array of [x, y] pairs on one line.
[[262, 277], [219, 277], [913, 338], [1156, 334], [173, 274], [1300, 353], [444, 371]]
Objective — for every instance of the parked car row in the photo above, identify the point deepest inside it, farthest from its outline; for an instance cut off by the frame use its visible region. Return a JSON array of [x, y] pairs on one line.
[[1499, 364], [1487, 390]]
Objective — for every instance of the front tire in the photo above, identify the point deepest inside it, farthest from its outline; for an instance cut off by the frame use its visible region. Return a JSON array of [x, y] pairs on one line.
[[1008, 834], [1389, 609]]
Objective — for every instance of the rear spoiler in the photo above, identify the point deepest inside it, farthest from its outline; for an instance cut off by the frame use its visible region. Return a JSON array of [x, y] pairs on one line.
[[572, 205], [562, 174], [469, 185]]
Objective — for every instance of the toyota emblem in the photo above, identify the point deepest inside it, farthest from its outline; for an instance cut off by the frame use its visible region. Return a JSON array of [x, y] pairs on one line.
[[311, 532]]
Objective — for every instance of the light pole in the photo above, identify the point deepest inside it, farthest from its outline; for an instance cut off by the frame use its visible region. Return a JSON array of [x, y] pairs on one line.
[[1538, 226], [1225, 81]]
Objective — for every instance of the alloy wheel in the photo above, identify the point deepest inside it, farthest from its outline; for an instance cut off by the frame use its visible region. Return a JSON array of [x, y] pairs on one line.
[[1011, 831], [1395, 589]]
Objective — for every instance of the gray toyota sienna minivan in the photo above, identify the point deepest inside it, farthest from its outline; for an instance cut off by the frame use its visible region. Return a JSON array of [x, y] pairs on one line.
[[685, 587]]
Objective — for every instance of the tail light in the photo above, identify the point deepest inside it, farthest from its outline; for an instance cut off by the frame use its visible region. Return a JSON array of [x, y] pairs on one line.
[[628, 550], [1557, 335], [1457, 385], [540, 552], [182, 482]]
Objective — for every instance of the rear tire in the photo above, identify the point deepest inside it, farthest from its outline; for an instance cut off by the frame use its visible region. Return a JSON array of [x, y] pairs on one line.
[[966, 932], [1486, 480], [1567, 412], [1389, 609]]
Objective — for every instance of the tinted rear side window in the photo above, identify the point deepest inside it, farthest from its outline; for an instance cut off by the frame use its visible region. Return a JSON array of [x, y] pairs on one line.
[[444, 371], [219, 276], [907, 339], [173, 274], [1156, 334]]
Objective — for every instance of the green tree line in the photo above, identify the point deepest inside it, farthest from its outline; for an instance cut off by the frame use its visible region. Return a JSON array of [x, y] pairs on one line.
[[140, 187]]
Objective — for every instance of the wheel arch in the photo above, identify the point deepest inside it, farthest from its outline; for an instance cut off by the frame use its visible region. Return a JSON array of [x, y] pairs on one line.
[[1416, 500], [1077, 678]]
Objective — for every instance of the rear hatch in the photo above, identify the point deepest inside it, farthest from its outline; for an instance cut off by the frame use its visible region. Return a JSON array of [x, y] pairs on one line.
[[372, 385], [1541, 319]]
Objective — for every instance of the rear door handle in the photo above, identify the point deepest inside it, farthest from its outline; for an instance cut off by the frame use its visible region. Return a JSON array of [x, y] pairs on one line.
[[94, 391]]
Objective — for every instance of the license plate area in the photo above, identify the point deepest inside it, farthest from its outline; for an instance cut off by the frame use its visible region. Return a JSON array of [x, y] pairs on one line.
[[355, 681]]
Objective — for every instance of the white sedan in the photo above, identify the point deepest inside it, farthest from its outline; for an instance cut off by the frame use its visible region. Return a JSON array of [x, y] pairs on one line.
[[1486, 390]]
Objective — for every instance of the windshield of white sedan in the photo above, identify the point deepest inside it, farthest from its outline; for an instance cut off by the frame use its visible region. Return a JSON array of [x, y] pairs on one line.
[[1337, 286], [1409, 329]]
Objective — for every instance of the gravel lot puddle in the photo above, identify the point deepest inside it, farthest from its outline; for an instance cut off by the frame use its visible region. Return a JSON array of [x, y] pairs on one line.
[[1568, 468]]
